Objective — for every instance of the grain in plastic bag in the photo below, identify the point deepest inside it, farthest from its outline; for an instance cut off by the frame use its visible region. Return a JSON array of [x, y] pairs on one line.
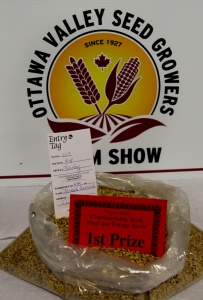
[[97, 271], [21, 259]]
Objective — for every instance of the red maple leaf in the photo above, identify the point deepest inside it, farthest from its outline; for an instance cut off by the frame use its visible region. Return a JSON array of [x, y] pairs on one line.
[[102, 61]]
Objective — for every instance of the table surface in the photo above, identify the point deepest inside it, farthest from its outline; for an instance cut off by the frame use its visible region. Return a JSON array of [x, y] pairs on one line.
[[14, 204]]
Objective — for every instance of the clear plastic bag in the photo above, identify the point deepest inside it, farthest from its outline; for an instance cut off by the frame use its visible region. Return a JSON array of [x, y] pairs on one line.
[[100, 272]]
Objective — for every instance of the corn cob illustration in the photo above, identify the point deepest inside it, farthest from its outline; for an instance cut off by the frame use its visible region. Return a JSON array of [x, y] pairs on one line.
[[119, 87], [126, 76], [84, 82]]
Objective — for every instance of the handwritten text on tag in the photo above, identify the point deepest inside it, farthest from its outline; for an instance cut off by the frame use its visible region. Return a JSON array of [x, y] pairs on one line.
[[72, 167]]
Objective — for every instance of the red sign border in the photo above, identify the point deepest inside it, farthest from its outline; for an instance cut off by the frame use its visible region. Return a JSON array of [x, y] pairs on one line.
[[146, 204]]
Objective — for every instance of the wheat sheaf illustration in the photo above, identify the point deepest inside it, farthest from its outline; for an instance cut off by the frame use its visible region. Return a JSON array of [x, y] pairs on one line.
[[84, 82], [118, 89]]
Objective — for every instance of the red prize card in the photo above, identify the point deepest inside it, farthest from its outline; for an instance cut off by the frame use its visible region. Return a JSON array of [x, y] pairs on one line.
[[136, 224]]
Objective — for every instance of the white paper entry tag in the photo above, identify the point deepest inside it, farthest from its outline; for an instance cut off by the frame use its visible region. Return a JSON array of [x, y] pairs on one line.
[[72, 167]]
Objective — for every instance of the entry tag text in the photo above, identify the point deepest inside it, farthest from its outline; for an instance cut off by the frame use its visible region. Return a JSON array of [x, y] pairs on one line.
[[72, 167]]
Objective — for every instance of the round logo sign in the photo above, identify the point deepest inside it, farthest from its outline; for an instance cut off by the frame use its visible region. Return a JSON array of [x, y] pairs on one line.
[[103, 80]]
